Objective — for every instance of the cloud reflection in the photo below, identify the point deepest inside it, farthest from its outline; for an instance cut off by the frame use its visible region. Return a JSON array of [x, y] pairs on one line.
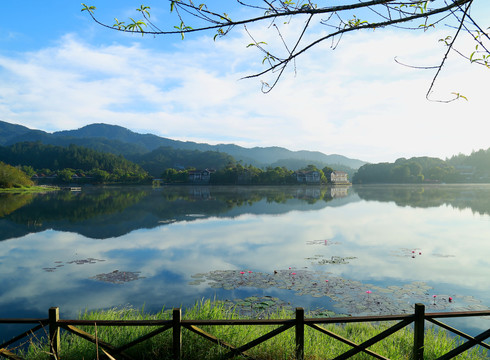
[[379, 236]]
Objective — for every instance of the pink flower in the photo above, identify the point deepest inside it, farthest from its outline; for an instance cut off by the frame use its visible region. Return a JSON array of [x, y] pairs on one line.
[[249, 271], [242, 272], [450, 299], [434, 296], [368, 292], [326, 280], [293, 273]]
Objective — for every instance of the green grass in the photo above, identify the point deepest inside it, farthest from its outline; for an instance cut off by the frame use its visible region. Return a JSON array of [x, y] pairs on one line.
[[317, 345], [28, 189]]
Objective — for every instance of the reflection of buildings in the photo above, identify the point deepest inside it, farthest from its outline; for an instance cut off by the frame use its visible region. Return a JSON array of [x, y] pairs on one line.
[[200, 192], [308, 177], [338, 191], [325, 193], [308, 193]]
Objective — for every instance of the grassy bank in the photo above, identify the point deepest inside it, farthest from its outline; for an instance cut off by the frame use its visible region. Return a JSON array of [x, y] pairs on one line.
[[28, 189], [317, 345]]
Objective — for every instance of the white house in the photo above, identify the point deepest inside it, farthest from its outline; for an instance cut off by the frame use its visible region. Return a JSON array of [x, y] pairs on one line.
[[339, 177]]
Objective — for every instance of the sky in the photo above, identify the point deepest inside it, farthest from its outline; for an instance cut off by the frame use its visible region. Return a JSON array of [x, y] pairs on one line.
[[59, 70]]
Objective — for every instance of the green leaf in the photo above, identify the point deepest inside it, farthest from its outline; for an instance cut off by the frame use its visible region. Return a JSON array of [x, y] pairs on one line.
[[119, 24], [90, 9], [459, 96], [144, 9]]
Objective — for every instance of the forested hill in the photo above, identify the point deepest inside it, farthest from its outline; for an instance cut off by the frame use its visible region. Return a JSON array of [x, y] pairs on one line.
[[121, 141], [35, 155], [474, 168], [166, 157], [42, 157]]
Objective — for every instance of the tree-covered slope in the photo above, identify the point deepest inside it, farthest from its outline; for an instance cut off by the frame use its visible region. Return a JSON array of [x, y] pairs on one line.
[[156, 161], [473, 168], [12, 177], [40, 156]]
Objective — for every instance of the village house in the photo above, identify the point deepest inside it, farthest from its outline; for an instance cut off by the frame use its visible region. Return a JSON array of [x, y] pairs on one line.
[[308, 177], [200, 176], [339, 177]]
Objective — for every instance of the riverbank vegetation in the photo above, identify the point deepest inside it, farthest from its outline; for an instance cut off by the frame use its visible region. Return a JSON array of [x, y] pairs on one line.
[[317, 345], [13, 178], [49, 164], [460, 168], [238, 174], [57, 164], [28, 189]]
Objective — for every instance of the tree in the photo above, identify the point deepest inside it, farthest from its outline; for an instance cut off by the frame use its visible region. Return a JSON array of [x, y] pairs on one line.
[[13, 177], [336, 20], [66, 174], [99, 175]]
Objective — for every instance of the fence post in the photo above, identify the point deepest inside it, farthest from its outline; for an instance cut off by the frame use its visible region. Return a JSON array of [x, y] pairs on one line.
[[54, 332], [177, 333], [418, 330], [300, 333]]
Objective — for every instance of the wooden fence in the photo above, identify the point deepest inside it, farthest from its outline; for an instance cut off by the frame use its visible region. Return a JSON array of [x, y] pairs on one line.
[[54, 324]]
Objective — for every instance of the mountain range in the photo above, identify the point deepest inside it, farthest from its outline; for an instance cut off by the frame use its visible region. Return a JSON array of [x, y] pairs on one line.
[[122, 141]]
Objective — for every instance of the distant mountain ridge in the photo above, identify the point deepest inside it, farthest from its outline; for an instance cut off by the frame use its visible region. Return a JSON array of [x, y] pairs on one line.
[[122, 141]]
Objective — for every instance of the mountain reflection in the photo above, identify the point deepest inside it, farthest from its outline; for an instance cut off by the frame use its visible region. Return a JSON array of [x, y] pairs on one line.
[[474, 197], [106, 212]]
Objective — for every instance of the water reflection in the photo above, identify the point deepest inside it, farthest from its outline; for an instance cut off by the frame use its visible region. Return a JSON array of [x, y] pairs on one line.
[[474, 197], [102, 213], [11, 202], [368, 237]]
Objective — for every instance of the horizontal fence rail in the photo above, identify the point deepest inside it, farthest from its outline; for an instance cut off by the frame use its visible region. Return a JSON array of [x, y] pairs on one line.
[[53, 324]]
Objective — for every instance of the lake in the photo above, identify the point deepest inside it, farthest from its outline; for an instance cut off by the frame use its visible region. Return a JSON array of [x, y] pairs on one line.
[[352, 250]]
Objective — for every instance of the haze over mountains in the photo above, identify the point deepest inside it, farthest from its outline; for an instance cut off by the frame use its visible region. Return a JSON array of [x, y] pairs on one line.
[[122, 141]]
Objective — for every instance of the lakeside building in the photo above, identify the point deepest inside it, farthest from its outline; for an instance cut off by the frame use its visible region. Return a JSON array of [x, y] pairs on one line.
[[308, 177], [200, 176], [339, 177]]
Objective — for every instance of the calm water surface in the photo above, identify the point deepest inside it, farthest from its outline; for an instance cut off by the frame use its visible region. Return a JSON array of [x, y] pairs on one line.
[[381, 248]]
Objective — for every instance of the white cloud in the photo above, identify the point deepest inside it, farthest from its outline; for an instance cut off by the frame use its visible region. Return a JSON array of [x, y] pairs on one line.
[[355, 100]]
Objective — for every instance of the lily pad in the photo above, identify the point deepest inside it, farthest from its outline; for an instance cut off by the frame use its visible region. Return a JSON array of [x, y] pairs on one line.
[[324, 242], [352, 296], [85, 261], [118, 277], [334, 260], [257, 306]]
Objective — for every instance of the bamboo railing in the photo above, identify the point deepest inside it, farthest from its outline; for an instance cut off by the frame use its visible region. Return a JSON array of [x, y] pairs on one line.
[[176, 324]]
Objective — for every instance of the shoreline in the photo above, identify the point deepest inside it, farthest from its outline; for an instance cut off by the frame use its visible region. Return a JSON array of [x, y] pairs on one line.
[[30, 189]]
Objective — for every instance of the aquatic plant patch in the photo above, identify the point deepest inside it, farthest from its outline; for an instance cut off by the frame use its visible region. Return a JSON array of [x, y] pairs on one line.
[[118, 277], [60, 264], [333, 260], [350, 296]]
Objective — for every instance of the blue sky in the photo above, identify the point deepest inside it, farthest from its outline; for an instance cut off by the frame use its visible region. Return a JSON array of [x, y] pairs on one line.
[[59, 70]]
